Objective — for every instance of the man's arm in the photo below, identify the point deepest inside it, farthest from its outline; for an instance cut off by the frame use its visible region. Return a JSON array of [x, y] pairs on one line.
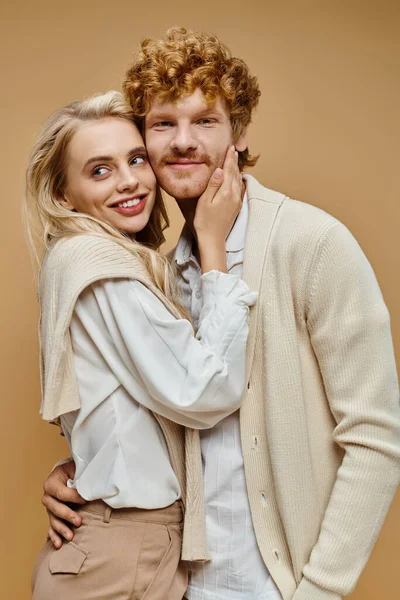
[[56, 493], [349, 328]]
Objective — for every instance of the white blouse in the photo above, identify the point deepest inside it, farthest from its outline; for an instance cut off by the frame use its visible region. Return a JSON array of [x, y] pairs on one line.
[[132, 357]]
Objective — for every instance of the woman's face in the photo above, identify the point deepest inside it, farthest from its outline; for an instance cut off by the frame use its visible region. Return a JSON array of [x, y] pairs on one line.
[[108, 174]]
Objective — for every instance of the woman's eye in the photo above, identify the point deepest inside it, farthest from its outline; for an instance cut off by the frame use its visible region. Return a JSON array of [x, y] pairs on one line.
[[99, 171], [137, 160]]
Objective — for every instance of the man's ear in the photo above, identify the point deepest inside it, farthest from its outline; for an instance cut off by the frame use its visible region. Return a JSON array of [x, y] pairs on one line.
[[241, 142]]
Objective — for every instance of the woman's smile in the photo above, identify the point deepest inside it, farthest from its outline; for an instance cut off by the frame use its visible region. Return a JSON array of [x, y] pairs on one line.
[[131, 206], [109, 176]]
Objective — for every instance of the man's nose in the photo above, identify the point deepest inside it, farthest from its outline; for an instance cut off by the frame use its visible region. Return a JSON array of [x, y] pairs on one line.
[[184, 139], [128, 180]]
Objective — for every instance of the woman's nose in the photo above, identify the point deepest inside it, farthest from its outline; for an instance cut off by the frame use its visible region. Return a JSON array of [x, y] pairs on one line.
[[127, 180]]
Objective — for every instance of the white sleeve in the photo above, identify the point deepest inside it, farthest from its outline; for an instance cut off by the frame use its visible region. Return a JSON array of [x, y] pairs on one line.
[[193, 380]]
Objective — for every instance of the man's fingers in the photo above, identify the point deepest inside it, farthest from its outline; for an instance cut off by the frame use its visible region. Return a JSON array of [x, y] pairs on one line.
[[69, 468], [54, 538], [69, 495], [60, 528], [60, 510], [62, 493], [56, 486]]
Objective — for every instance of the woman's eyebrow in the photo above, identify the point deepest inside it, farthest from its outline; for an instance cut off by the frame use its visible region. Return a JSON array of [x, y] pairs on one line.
[[99, 158]]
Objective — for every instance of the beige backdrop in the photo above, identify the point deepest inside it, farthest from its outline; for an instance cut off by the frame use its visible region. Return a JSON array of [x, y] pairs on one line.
[[328, 130]]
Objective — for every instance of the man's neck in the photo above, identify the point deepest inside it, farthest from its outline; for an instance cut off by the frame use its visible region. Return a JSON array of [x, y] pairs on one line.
[[188, 210]]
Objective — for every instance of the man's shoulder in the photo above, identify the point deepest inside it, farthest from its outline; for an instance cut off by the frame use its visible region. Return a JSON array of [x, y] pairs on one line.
[[295, 219]]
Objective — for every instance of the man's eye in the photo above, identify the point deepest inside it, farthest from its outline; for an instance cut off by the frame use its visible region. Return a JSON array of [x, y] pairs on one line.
[[162, 124], [99, 171], [206, 121], [137, 160]]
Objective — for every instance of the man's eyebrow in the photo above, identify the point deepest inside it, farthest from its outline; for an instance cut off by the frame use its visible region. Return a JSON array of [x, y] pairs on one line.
[[107, 158], [166, 115], [210, 112], [160, 115]]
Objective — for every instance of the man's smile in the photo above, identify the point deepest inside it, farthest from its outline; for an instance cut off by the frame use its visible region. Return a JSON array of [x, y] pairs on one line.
[[184, 164]]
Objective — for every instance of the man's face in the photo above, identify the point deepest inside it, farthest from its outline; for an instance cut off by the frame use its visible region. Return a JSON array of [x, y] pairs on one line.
[[186, 141]]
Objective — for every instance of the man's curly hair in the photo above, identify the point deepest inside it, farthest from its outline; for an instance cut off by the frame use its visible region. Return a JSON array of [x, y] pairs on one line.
[[183, 61]]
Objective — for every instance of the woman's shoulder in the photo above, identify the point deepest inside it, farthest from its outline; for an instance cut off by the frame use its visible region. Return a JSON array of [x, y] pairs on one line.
[[83, 245], [88, 258], [81, 249]]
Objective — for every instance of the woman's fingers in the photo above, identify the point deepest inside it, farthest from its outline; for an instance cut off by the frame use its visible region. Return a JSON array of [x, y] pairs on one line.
[[222, 179], [230, 160], [232, 179], [214, 184], [231, 169], [220, 204]]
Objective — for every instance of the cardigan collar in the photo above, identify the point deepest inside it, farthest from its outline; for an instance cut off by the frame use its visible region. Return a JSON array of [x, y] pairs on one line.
[[264, 205]]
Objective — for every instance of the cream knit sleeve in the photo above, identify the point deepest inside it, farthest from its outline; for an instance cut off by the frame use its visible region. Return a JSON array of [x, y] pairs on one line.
[[349, 328]]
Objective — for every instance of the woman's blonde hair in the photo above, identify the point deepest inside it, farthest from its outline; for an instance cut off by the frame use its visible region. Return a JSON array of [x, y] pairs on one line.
[[45, 217]]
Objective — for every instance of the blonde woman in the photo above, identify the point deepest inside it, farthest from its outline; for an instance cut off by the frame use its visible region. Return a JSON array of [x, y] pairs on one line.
[[122, 368]]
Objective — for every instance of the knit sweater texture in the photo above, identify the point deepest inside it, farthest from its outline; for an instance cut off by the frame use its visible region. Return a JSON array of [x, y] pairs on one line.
[[320, 422]]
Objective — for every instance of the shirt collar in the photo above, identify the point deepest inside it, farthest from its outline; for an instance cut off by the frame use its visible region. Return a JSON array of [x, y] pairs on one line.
[[234, 243]]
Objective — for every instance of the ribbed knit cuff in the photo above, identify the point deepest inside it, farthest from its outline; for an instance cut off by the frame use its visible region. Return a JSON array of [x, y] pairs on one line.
[[309, 591], [194, 545]]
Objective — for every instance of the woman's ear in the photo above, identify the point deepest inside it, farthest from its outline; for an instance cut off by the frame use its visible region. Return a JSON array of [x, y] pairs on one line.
[[64, 202], [241, 142]]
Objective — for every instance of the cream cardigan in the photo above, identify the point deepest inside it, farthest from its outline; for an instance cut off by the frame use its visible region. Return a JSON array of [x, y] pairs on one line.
[[320, 423]]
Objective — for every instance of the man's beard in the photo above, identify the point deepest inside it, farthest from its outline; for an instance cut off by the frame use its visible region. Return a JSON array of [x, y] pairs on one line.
[[190, 156], [184, 184]]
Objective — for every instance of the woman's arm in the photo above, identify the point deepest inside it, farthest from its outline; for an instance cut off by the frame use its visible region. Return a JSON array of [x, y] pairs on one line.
[[216, 212], [193, 380]]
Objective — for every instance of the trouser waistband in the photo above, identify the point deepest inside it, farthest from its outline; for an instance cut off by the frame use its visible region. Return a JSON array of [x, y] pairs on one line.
[[169, 514]]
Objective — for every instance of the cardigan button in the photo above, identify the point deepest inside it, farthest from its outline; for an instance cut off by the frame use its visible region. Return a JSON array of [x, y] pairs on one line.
[[276, 555], [248, 385]]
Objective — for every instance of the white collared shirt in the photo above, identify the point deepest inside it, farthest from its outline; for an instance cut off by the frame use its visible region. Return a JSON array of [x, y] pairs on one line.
[[132, 358], [236, 570]]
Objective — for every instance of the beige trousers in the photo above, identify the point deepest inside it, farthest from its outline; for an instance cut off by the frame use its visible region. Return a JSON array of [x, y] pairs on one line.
[[124, 554]]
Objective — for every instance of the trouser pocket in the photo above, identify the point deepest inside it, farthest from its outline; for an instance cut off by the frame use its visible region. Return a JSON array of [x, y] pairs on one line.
[[69, 559], [157, 562]]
